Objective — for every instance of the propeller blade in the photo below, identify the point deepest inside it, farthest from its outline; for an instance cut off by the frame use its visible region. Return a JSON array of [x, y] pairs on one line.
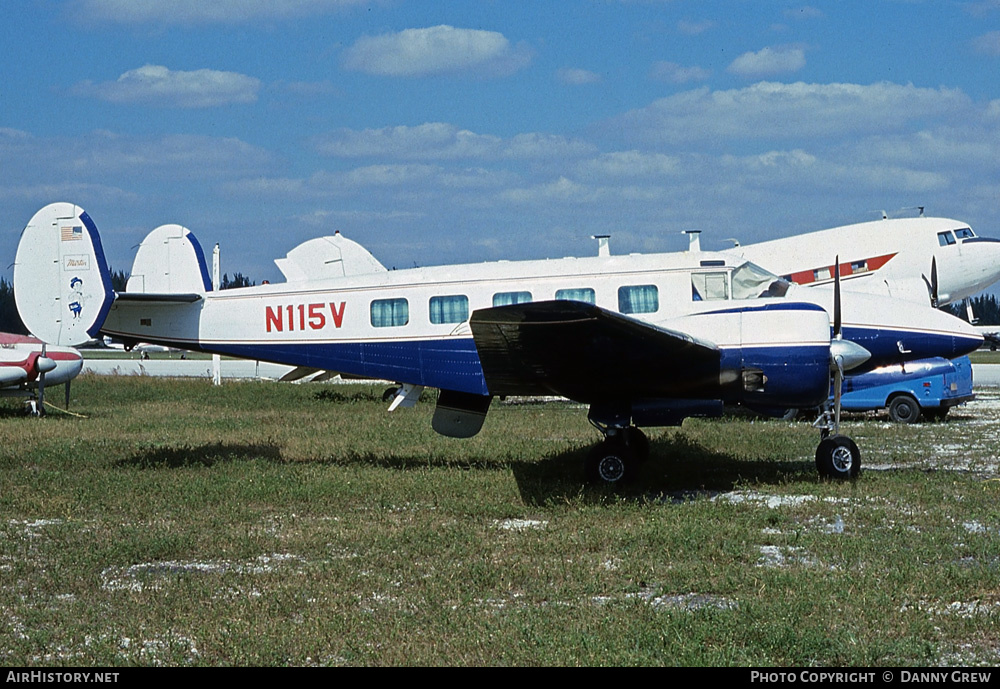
[[41, 377], [934, 282], [836, 300], [67, 394]]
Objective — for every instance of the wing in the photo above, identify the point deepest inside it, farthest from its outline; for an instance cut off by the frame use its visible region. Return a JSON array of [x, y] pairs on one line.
[[588, 354]]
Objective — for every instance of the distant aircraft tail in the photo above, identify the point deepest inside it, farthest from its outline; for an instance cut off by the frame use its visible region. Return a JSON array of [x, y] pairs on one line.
[[62, 285]]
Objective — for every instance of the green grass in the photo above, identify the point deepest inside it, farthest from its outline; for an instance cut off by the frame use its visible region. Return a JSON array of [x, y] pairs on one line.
[[279, 524]]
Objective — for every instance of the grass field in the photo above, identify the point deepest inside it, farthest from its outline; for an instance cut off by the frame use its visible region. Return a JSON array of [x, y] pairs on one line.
[[274, 524]]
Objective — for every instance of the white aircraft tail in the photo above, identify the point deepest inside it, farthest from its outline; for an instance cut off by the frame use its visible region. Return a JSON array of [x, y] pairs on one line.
[[169, 261], [62, 285]]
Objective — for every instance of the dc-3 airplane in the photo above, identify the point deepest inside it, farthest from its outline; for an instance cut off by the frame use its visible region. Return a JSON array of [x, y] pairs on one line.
[[906, 258], [643, 340], [28, 366]]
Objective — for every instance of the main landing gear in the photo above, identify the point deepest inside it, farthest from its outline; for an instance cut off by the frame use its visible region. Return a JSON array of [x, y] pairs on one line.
[[616, 459]]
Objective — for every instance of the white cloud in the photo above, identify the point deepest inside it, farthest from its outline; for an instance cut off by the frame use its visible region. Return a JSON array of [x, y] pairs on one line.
[[987, 44], [200, 11], [768, 61], [577, 77], [441, 141], [774, 110], [159, 86], [631, 164], [693, 28], [436, 50], [674, 73]]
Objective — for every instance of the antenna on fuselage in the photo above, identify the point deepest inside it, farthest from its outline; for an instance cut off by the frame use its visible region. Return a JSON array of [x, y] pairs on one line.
[[603, 244], [694, 239]]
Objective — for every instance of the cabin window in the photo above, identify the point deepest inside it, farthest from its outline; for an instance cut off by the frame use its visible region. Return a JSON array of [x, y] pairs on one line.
[[638, 299], [822, 274], [965, 233], [709, 286], [508, 298], [577, 294], [388, 313], [859, 267], [946, 238], [451, 309]]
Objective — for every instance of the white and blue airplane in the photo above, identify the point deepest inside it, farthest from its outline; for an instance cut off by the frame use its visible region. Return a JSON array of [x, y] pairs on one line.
[[643, 340]]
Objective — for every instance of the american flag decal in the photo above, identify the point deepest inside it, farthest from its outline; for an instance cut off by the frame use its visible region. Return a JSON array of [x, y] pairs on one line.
[[70, 234]]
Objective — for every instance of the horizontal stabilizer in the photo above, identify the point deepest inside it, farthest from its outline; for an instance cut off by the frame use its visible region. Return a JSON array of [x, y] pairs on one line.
[[151, 298], [62, 285]]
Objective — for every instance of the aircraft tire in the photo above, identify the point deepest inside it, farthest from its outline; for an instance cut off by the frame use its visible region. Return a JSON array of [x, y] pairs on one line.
[[611, 462], [838, 457], [904, 409]]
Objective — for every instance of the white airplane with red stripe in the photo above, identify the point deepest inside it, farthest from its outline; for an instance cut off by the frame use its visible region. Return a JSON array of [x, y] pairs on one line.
[[28, 366], [918, 259]]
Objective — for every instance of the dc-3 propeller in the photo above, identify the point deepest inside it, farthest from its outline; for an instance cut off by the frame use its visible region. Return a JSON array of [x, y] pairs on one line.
[[837, 455], [932, 284]]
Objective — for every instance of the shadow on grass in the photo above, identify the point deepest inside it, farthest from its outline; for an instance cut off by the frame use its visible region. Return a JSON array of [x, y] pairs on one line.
[[678, 469], [199, 456]]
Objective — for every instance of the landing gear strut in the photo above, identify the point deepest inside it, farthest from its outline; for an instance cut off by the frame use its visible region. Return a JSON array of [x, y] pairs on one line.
[[616, 459]]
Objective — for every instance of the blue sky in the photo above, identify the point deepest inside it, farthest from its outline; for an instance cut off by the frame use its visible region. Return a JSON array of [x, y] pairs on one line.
[[470, 130]]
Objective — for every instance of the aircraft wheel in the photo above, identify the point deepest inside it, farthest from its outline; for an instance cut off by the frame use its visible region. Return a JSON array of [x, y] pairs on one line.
[[637, 442], [904, 409], [389, 394], [838, 457], [611, 462]]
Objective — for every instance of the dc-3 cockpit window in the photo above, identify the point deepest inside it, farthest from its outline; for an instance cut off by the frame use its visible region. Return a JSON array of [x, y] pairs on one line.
[[965, 233], [946, 238], [748, 281]]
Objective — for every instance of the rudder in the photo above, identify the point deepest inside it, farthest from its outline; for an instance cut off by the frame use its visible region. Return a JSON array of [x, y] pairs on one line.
[[62, 285]]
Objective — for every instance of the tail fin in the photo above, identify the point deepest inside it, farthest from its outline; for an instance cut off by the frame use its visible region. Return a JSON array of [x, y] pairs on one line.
[[62, 284], [169, 261]]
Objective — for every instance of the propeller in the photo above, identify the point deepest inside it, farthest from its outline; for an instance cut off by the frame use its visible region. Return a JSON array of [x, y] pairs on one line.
[[844, 354], [932, 284]]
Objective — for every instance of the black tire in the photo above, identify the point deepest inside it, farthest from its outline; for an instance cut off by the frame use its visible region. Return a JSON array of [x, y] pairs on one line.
[[611, 462], [837, 457], [389, 394], [904, 409]]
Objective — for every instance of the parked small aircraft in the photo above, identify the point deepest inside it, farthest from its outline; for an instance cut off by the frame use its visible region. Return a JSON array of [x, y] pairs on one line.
[[28, 366], [644, 340], [917, 258]]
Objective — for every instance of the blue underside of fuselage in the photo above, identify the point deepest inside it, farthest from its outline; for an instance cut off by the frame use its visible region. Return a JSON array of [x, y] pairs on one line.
[[795, 375]]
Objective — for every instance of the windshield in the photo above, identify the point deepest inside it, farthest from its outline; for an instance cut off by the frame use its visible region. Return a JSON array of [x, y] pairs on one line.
[[750, 281]]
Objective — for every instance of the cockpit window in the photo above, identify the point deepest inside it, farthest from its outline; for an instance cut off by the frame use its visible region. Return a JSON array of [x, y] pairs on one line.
[[709, 286], [965, 233], [946, 238], [750, 281]]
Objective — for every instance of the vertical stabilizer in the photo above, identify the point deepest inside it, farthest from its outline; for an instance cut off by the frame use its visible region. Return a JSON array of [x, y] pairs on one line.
[[62, 284], [170, 260]]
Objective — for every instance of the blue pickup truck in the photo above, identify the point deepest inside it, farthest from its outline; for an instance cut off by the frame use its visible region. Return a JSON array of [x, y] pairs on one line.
[[929, 387]]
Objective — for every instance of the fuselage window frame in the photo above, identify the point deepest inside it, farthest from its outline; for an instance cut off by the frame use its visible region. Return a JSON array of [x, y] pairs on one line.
[[638, 299], [511, 298], [390, 313], [584, 294], [449, 309]]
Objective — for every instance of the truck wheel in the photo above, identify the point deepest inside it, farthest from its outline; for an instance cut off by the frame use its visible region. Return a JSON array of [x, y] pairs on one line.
[[904, 409]]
